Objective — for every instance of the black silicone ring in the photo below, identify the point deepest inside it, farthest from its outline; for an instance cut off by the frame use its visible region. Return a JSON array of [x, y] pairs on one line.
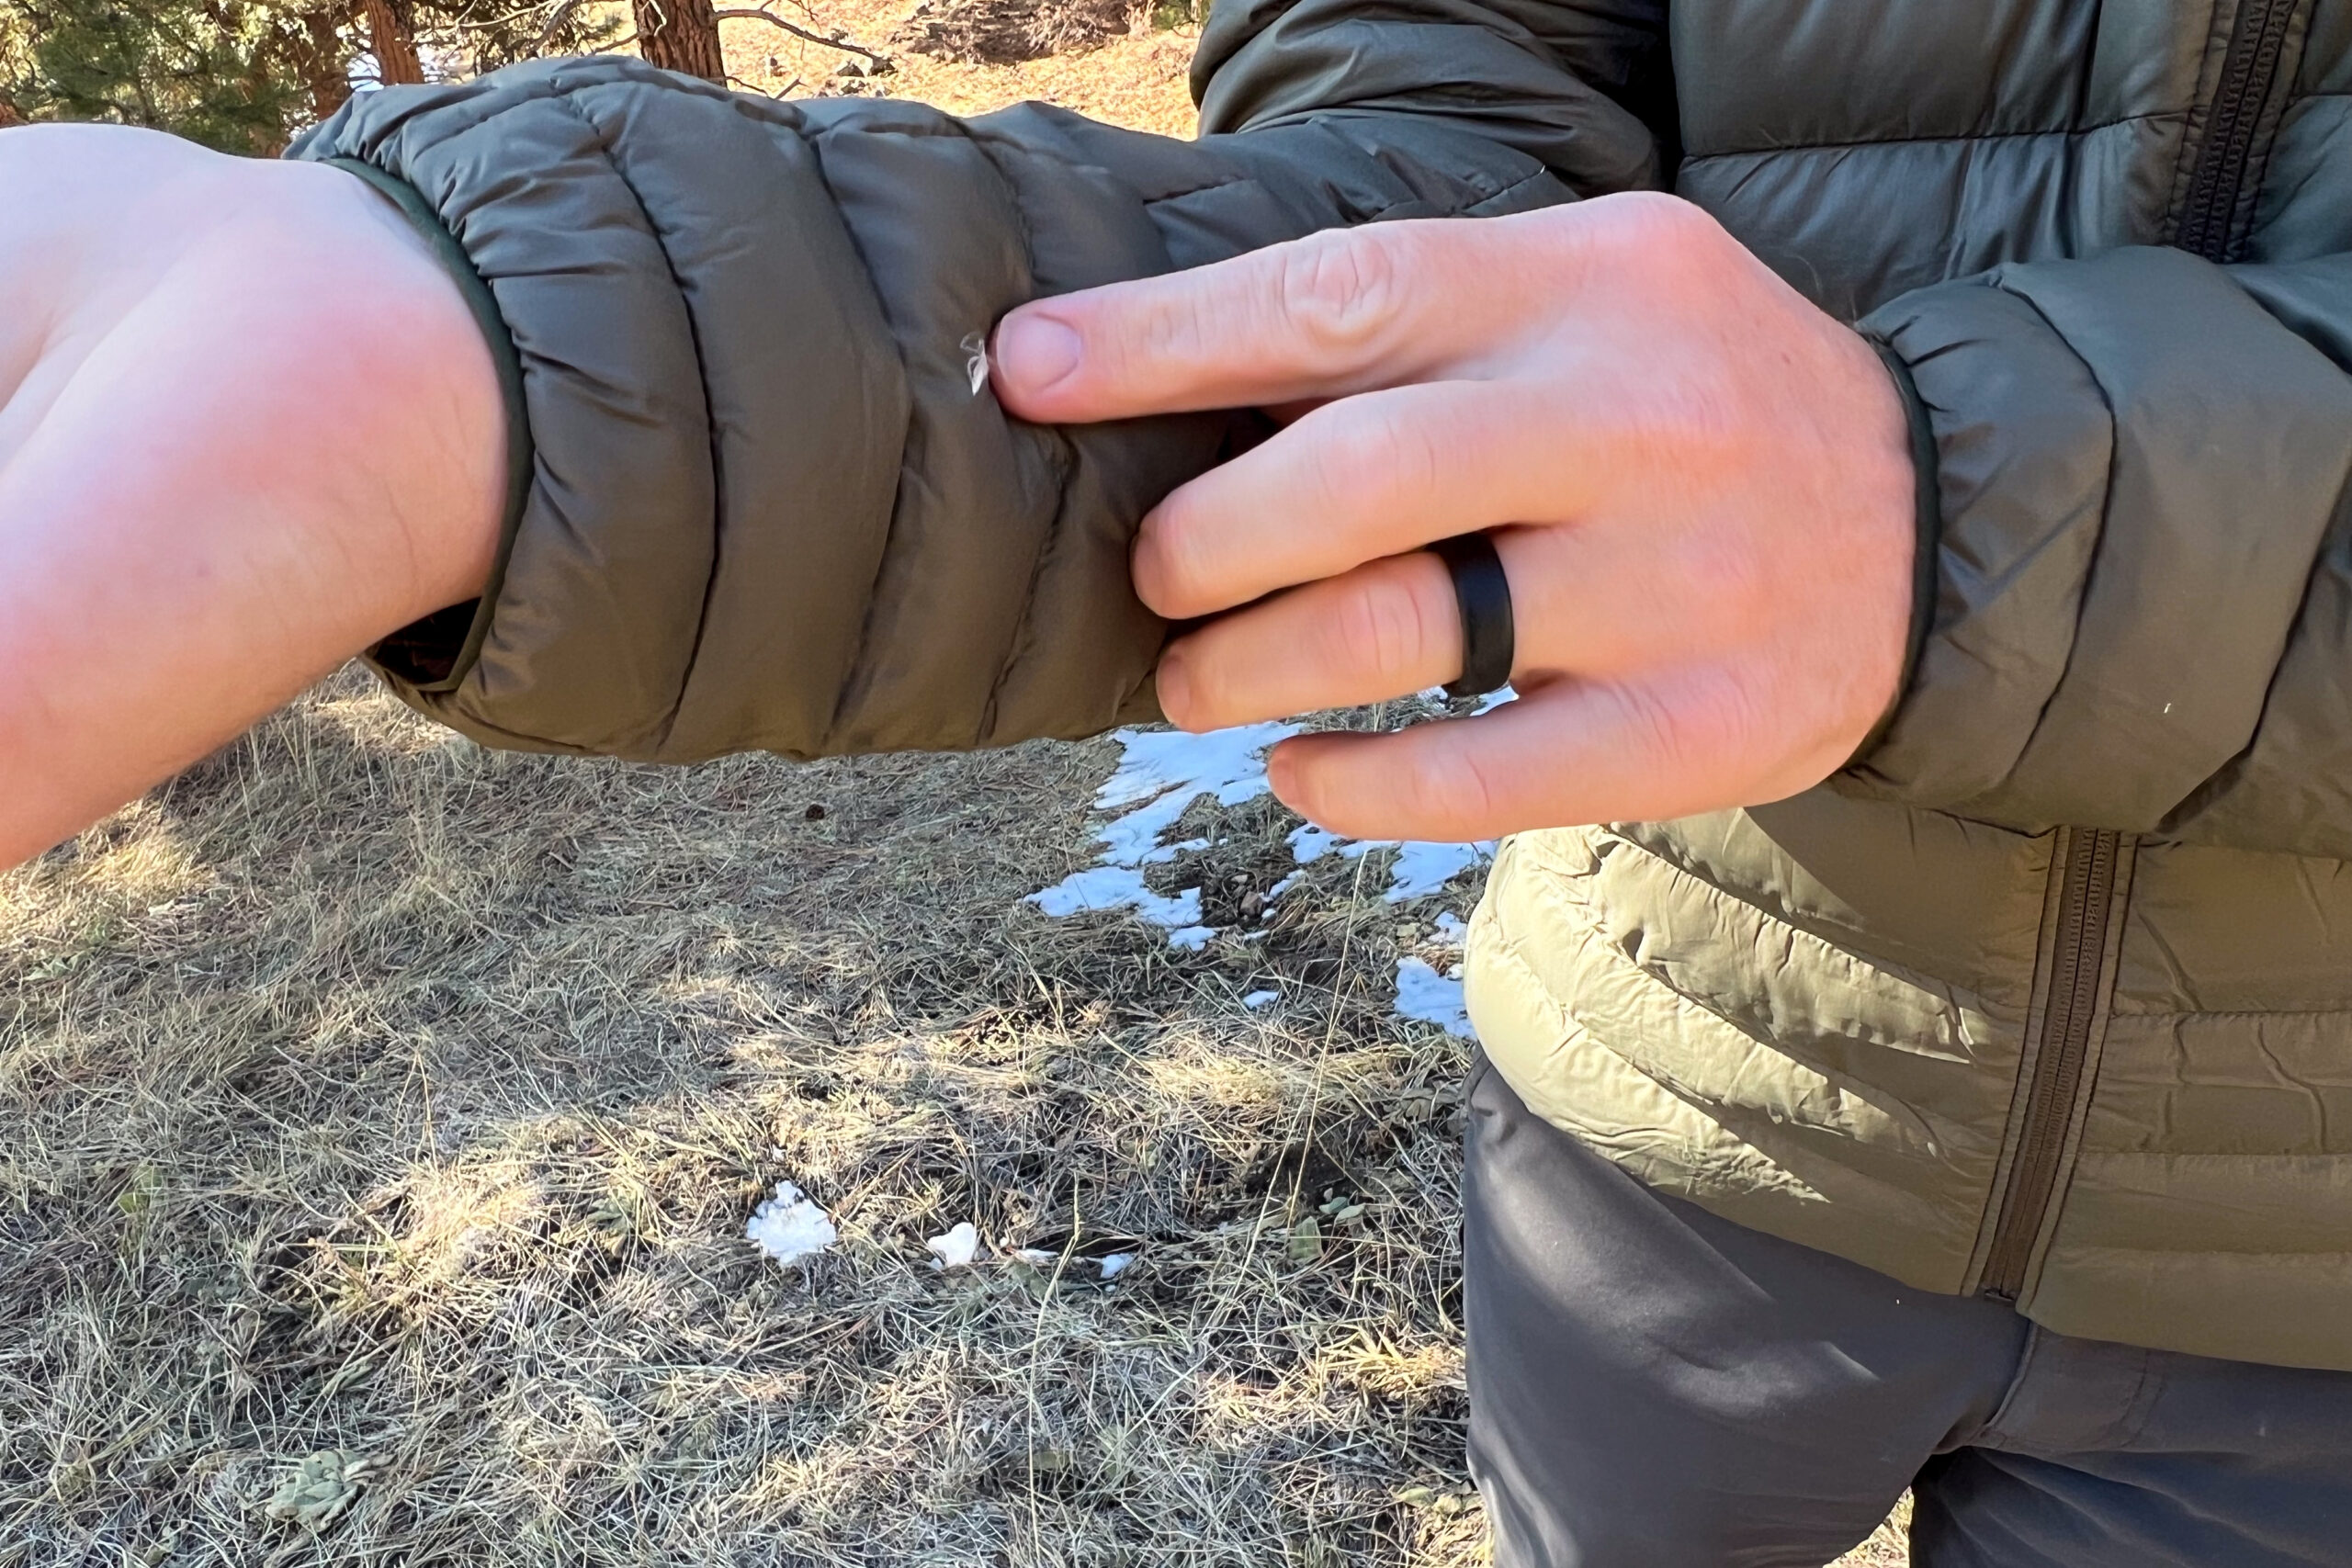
[[1489, 641]]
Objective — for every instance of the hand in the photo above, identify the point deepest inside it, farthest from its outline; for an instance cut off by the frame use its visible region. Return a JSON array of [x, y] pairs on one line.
[[247, 426], [1702, 485]]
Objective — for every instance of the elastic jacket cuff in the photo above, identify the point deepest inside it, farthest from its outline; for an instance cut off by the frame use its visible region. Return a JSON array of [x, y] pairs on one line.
[[433, 654], [1928, 525]]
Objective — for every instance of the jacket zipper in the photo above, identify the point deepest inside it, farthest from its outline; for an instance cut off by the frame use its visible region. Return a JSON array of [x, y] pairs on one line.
[[2087, 894], [2257, 41], [2085, 901]]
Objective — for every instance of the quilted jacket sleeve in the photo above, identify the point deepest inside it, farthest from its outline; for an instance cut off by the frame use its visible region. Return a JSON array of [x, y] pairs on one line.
[[2145, 596], [764, 504]]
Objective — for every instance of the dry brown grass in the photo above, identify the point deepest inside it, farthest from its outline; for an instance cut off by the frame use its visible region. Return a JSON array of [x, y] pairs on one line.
[[367, 1092], [372, 1093]]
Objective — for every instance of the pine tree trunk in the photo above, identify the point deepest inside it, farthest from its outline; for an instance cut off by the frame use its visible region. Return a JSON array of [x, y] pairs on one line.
[[393, 42], [680, 35], [326, 73]]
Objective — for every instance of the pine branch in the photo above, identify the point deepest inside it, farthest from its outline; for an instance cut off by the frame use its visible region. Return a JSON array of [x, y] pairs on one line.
[[799, 33]]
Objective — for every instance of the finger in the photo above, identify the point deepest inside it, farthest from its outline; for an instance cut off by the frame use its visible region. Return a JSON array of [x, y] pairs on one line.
[[1566, 754], [1380, 631], [1333, 313], [1357, 479]]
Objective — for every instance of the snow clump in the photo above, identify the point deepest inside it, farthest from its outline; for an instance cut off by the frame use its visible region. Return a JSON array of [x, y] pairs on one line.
[[956, 1248], [789, 1227]]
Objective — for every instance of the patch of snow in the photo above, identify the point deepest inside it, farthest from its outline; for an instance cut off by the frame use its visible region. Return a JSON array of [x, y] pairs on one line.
[[1257, 999], [1152, 762], [1118, 888], [1309, 843], [1161, 774], [957, 1248], [1116, 1263], [789, 1227], [1421, 869], [1422, 993], [1450, 931]]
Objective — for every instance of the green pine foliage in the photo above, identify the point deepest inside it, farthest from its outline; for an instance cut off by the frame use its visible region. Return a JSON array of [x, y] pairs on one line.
[[230, 73], [249, 76], [487, 34]]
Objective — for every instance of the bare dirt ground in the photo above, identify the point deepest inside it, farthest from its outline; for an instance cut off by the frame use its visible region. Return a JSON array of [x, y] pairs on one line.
[[373, 1097], [1134, 79]]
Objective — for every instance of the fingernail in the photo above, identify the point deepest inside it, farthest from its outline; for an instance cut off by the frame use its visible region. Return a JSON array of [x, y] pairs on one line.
[[1174, 686], [1282, 773], [1035, 351]]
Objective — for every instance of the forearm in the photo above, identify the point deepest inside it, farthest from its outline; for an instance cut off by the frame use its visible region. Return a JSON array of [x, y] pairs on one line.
[[770, 508], [249, 428], [759, 503]]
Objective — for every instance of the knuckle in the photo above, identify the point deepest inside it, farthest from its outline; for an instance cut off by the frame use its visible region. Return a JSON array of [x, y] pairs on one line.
[[1412, 459], [1367, 461], [1655, 230], [1655, 727], [1179, 331], [1452, 788], [1158, 328], [1336, 289], [1348, 454], [1739, 721], [1381, 628], [1690, 729], [1662, 219]]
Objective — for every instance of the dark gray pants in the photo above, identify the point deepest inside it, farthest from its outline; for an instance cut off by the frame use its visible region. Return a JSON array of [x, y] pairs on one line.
[[1650, 1384]]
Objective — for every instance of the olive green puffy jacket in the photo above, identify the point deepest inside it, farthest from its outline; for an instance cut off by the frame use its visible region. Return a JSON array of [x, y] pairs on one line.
[[2049, 995]]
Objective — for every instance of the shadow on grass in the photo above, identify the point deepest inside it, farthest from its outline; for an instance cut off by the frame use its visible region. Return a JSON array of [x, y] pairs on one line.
[[377, 1093]]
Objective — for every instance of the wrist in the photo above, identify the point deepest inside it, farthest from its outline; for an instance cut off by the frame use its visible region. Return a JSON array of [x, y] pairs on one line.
[[424, 387], [260, 432]]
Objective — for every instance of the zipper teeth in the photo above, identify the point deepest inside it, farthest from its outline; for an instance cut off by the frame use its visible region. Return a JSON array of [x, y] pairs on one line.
[[2256, 39], [2083, 903], [2252, 59]]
